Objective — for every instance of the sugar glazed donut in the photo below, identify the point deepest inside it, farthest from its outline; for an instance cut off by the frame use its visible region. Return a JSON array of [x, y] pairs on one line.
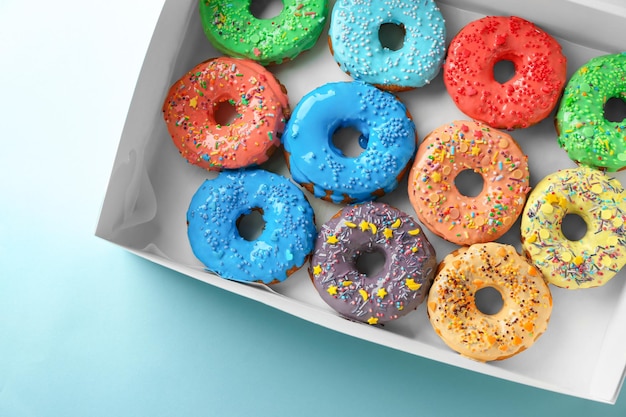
[[524, 100], [261, 107], [354, 41], [452, 310], [282, 247], [402, 283], [387, 135], [452, 149], [601, 202], [234, 30], [583, 130]]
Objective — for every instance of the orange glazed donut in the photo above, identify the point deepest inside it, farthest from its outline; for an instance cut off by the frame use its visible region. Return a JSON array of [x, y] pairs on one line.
[[464, 327], [461, 146], [260, 104], [525, 99]]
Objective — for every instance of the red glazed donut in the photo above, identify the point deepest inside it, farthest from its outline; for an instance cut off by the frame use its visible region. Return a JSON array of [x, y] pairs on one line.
[[260, 103], [524, 100], [456, 147]]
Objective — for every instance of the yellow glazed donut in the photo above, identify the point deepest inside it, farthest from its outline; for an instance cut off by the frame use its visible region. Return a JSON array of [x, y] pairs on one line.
[[525, 312], [601, 202]]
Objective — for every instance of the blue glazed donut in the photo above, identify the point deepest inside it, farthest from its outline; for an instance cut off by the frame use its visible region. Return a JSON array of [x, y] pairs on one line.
[[353, 38], [284, 244], [387, 135]]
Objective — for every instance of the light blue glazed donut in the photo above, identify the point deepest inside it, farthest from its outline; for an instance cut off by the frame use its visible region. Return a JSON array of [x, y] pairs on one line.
[[354, 41], [387, 135], [284, 244]]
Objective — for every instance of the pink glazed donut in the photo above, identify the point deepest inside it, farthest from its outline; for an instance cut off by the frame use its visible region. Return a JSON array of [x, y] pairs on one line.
[[260, 103], [443, 155]]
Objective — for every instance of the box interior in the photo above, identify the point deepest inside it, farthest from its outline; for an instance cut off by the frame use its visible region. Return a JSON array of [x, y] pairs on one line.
[[150, 188]]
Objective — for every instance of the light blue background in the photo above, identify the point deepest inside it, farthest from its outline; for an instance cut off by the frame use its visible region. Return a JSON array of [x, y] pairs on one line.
[[87, 329]]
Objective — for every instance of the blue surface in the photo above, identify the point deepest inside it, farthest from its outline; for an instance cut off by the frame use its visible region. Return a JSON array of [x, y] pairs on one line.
[[87, 329]]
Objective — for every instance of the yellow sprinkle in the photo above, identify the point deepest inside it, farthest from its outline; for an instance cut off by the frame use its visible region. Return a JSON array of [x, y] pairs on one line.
[[332, 239], [346, 283], [364, 294], [381, 293], [475, 151], [436, 177], [364, 225], [618, 222], [194, 102], [332, 290], [317, 269], [396, 224], [544, 234], [578, 260], [414, 249], [547, 208], [388, 233], [350, 225], [414, 232], [596, 188], [552, 198], [566, 257], [373, 228], [606, 214], [413, 286], [372, 320]]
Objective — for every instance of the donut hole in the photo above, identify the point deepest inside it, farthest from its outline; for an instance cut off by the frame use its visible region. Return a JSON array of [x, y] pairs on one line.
[[503, 71], [469, 183], [266, 9], [573, 227], [391, 36], [488, 300], [349, 141], [251, 225], [615, 109], [225, 112], [370, 263]]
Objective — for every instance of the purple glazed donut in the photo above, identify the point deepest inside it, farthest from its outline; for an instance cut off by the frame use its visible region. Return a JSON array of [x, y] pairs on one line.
[[401, 284]]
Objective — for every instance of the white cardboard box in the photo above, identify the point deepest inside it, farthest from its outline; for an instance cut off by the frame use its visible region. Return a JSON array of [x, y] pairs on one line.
[[581, 354]]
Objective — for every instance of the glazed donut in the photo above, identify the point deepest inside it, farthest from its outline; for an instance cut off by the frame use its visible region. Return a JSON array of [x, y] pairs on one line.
[[234, 30], [259, 100], [452, 310], [522, 101], [456, 147], [402, 283], [354, 41], [388, 136], [584, 132], [284, 244], [601, 202]]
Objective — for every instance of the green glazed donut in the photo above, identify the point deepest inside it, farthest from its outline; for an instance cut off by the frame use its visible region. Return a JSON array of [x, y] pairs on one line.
[[234, 30], [583, 131]]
